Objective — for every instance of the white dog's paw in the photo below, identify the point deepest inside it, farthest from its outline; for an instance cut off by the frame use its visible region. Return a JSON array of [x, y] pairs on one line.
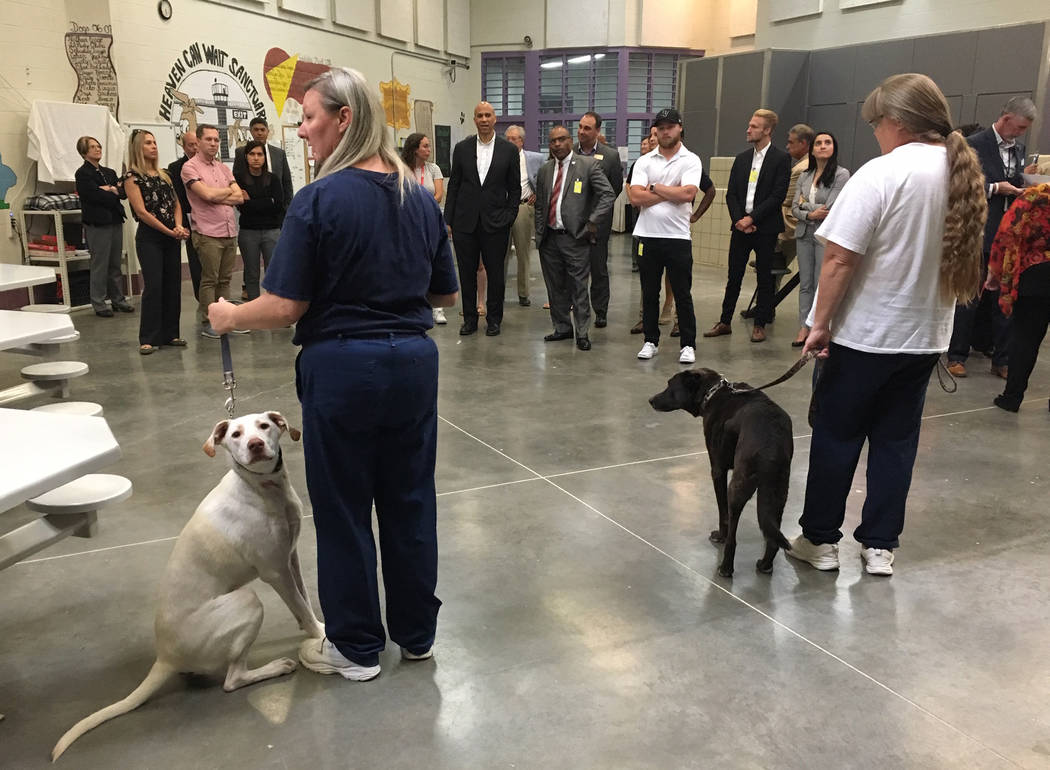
[[285, 665]]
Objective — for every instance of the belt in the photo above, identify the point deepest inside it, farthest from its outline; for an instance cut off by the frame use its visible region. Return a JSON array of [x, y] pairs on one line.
[[556, 231]]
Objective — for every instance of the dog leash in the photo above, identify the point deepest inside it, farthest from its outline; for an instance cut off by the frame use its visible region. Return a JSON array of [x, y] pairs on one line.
[[735, 389], [229, 382]]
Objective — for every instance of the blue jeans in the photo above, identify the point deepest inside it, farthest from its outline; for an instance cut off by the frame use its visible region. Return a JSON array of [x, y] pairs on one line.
[[877, 397], [254, 244], [370, 435]]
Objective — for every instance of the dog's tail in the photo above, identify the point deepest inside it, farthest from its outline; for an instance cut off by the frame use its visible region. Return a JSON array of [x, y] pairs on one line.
[[157, 677], [771, 503]]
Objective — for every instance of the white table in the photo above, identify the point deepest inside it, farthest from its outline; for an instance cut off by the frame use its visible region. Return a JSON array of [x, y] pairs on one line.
[[21, 276], [18, 328]]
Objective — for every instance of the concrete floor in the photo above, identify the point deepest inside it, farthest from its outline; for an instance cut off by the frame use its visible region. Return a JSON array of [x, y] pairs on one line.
[[584, 625]]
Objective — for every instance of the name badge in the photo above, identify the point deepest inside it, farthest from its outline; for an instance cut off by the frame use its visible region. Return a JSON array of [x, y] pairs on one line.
[[754, 175], [640, 246], [577, 186], [599, 157]]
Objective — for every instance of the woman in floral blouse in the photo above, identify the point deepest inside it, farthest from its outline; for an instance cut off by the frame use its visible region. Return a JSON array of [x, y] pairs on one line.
[[156, 209], [1020, 267]]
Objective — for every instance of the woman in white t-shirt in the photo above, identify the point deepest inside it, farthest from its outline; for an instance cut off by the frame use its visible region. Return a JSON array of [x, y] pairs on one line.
[[902, 244], [416, 155]]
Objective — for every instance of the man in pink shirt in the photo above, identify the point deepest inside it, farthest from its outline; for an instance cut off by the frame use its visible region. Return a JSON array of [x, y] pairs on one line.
[[213, 193]]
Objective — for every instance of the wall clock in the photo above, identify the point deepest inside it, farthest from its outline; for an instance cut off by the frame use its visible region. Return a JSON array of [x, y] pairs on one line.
[[164, 9]]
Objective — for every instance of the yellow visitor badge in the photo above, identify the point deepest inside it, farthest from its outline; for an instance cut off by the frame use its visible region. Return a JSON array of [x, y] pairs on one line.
[[754, 176], [599, 157], [577, 186], [640, 245]]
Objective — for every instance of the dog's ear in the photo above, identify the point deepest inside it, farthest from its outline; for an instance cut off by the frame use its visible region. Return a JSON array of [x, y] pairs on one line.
[[691, 388], [280, 422], [217, 435]]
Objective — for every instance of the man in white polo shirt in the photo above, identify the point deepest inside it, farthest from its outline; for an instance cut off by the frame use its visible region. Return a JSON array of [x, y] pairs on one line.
[[663, 186]]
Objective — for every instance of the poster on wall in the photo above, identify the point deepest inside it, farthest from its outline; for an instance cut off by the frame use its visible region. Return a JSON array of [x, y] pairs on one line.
[[88, 49], [395, 103], [208, 85], [286, 77]]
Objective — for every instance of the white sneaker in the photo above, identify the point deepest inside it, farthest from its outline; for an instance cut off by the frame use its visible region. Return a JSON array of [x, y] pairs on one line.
[[439, 316], [406, 655], [241, 331], [321, 656], [648, 351], [824, 556], [877, 561], [688, 356]]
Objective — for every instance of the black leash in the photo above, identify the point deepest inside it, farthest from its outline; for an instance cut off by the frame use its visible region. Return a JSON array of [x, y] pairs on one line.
[[228, 380]]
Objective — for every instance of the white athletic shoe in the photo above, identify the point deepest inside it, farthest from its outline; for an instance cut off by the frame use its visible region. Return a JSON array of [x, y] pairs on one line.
[[688, 356], [321, 656], [877, 561], [406, 655], [824, 556], [439, 316], [648, 351]]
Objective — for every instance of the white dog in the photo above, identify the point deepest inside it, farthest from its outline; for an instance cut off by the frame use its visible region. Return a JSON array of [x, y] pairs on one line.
[[246, 528]]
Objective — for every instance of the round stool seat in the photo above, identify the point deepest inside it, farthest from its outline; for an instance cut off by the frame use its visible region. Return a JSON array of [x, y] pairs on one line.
[[73, 336], [74, 408], [88, 493], [54, 370], [45, 308]]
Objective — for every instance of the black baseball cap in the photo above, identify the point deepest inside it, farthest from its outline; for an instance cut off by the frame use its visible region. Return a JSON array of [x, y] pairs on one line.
[[667, 115]]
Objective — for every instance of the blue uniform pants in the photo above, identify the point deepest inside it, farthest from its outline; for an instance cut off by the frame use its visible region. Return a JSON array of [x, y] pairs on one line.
[[370, 436]]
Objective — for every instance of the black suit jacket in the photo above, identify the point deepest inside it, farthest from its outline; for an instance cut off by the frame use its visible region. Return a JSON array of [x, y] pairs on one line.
[[175, 172], [613, 170], [986, 146], [493, 206], [591, 204], [280, 169], [97, 206], [770, 192]]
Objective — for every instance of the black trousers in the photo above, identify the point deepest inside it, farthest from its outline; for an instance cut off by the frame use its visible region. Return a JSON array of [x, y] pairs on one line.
[[676, 256], [873, 397], [161, 261], [740, 247], [489, 249], [981, 325], [599, 255], [192, 260], [1031, 315]]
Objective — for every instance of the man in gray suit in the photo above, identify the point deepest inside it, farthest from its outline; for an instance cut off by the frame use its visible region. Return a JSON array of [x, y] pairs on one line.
[[572, 198], [521, 232], [608, 157]]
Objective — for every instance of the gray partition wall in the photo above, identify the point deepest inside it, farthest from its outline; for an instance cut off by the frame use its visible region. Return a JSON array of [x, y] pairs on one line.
[[825, 88]]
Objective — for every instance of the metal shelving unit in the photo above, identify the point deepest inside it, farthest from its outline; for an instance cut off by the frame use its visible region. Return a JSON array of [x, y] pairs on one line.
[[58, 259]]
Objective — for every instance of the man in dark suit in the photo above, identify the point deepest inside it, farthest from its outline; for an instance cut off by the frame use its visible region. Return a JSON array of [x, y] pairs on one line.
[[484, 191], [572, 198], [276, 160], [587, 145], [189, 148], [757, 185], [1002, 160]]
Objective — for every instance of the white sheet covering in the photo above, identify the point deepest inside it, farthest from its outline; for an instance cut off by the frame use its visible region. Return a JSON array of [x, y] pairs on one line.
[[54, 128]]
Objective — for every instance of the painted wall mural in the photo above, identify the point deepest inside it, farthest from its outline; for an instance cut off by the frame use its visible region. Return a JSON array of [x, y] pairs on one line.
[[207, 85], [286, 77], [395, 103], [7, 179], [88, 48]]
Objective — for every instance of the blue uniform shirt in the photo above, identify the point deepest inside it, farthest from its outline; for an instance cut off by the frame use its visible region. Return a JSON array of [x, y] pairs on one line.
[[363, 261]]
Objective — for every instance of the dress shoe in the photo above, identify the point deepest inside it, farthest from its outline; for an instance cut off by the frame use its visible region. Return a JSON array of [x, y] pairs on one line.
[[524, 301], [492, 330], [675, 331], [123, 307], [583, 343], [1008, 404], [718, 330], [468, 329], [546, 305], [758, 334], [600, 322], [800, 340], [638, 328], [1000, 371], [956, 368], [104, 313], [557, 336]]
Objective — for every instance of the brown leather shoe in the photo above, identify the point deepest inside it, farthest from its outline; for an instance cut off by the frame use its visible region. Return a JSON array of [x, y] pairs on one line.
[[1000, 371], [957, 369], [758, 334], [638, 328], [718, 330]]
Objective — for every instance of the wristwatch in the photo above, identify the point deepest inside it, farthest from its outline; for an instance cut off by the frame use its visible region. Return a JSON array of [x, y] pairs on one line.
[[652, 188]]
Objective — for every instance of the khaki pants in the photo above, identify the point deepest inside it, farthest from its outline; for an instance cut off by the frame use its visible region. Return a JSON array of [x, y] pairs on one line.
[[521, 235], [217, 256]]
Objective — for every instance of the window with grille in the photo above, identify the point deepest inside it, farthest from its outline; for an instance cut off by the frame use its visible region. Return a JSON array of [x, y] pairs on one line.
[[503, 85]]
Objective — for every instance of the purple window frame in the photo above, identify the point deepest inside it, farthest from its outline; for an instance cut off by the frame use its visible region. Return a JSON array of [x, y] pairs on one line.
[[531, 117]]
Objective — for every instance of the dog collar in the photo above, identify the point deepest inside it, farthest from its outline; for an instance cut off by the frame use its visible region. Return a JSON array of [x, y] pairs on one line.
[[722, 383], [276, 469]]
